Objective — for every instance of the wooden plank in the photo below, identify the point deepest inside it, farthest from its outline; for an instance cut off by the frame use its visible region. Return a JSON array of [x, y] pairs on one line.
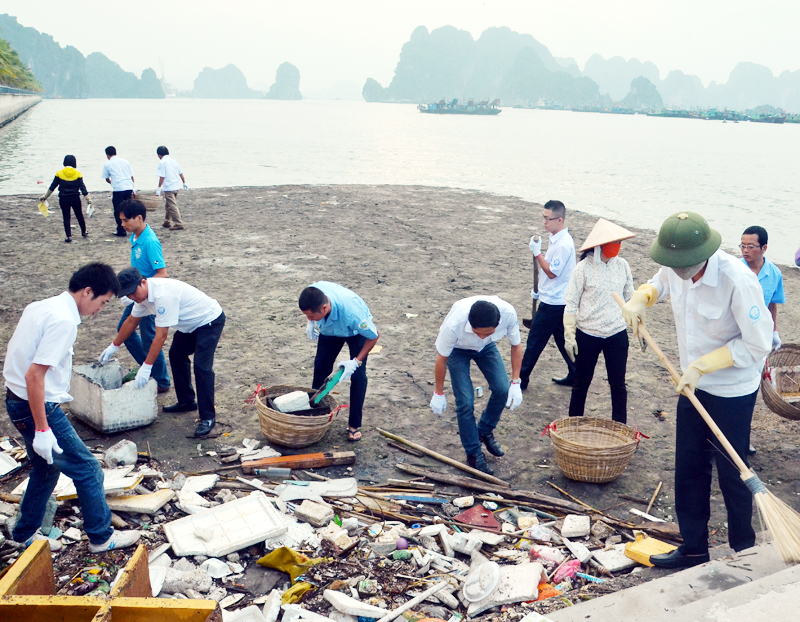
[[408, 450], [31, 574], [404, 483], [302, 461], [455, 480]]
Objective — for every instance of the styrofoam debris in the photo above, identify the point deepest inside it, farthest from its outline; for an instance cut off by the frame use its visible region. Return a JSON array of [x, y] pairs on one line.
[[248, 614], [292, 402], [157, 576], [199, 483], [114, 480], [464, 502], [349, 605], [576, 526], [297, 612], [314, 513], [517, 583], [73, 534], [230, 599], [615, 559], [216, 568], [344, 487], [141, 504]]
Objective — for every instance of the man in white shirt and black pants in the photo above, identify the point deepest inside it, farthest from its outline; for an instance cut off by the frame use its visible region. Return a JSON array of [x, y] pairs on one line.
[[555, 271], [170, 178], [198, 321], [119, 174]]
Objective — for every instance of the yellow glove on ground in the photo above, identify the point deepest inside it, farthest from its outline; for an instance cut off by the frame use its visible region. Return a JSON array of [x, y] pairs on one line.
[[570, 325], [634, 310], [718, 359]]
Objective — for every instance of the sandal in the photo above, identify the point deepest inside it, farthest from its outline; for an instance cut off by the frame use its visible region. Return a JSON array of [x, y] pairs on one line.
[[353, 435]]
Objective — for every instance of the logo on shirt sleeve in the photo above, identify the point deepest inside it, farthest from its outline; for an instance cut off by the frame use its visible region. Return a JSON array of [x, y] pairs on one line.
[[556, 263], [161, 310], [363, 325], [755, 313]]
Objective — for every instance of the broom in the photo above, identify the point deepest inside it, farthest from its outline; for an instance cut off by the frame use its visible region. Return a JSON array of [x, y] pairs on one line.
[[783, 523]]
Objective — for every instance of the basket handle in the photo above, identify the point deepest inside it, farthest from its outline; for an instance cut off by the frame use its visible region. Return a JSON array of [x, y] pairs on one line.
[[336, 410], [551, 427], [252, 399]]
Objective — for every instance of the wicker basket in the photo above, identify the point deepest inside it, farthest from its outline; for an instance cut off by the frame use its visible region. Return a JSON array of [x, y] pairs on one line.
[[151, 202], [287, 429], [787, 356], [592, 450]]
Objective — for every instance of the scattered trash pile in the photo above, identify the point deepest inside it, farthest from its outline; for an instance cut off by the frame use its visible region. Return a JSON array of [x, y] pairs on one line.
[[294, 545]]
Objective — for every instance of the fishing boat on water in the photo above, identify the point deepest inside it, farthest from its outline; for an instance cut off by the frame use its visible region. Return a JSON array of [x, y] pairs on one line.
[[471, 107]]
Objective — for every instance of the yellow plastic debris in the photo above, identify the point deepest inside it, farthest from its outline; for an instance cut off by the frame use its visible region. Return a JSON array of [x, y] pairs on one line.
[[291, 562], [644, 546], [43, 208], [294, 593]]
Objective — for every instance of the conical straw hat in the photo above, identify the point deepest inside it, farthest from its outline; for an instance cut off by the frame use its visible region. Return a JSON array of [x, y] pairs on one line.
[[605, 232]]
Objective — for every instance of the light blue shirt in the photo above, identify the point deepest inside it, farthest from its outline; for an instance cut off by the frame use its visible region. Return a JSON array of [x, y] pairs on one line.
[[771, 281], [146, 253], [349, 314], [120, 173]]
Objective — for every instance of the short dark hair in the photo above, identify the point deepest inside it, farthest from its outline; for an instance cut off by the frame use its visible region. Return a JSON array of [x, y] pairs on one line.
[[557, 207], [759, 231], [111, 151], [484, 314], [162, 151], [99, 277], [70, 160], [312, 299], [133, 208]]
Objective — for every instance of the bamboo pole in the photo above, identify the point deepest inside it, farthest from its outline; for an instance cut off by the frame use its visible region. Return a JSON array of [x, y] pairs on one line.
[[653, 499]]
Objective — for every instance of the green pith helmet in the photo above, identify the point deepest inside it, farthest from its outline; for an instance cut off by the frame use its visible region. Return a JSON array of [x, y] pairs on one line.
[[684, 240]]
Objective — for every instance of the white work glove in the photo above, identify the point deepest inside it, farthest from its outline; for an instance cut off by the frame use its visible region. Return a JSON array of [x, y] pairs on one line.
[[108, 353], [142, 376], [186, 187], [350, 368], [534, 294], [514, 396], [311, 331], [438, 403], [776, 340], [536, 247], [158, 191], [45, 443]]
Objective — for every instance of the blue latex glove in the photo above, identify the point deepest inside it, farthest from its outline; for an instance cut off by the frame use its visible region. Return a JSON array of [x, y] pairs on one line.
[[350, 368], [142, 376]]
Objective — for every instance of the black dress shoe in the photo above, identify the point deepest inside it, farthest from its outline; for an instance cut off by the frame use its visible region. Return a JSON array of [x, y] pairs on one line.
[[678, 559], [204, 427], [523, 384], [478, 461], [180, 408], [567, 381], [492, 445]]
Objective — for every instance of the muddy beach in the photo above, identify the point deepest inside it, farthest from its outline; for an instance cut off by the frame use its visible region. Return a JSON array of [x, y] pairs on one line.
[[410, 252]]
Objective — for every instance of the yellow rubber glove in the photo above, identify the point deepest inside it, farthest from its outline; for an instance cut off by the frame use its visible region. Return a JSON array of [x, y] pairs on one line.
[[718, 359], [634, 310], [570, 326]]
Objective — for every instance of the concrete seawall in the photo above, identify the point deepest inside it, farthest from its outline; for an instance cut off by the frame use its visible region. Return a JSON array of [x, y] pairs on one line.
[[14, 104]]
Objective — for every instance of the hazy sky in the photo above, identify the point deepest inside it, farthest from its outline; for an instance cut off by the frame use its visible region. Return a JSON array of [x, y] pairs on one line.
[[350, 40]]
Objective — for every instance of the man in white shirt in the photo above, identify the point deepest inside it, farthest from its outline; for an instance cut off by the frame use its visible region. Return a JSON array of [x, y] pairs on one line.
[[38, 371], [555, 270], [119, 174], [170, 178], [469, 333], [724, 332], [198, 321]]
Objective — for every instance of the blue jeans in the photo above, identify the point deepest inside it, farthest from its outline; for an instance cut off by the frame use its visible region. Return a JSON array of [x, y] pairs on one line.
[[491, 365], [140, 346], [76, 462]]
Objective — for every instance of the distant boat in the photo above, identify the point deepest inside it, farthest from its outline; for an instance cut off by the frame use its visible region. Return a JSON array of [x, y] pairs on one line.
[[769, 118], [480, 108]]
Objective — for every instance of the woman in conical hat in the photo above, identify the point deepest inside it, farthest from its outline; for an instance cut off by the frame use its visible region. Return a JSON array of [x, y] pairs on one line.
[[593, 322]]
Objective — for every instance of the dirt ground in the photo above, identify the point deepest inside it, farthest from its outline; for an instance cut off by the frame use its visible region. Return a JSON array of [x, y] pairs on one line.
[[410, 252]]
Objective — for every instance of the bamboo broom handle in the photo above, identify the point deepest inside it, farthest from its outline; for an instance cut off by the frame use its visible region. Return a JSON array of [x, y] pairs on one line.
[[744, 470]]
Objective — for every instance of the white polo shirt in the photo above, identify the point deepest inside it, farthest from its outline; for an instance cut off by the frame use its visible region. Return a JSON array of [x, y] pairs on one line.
[[456, 331], [561, 257], [44, 335], [177, 304], [119, 171], [724, 308], [170, 170]]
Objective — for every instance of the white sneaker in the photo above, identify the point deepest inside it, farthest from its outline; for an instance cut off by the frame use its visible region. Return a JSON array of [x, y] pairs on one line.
[[55, 545], [118, 540]]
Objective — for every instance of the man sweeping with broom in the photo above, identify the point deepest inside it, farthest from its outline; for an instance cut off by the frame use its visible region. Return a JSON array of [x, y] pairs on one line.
[[724, 332]]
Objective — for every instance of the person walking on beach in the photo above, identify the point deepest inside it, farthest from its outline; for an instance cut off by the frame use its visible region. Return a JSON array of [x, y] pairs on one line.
[[37, 371], [119, 174], [593, 322], [337, 316], [724, 332], [198, 321], [555, 271], [69, 182], [469, 333], [148, 258], [170, 178]]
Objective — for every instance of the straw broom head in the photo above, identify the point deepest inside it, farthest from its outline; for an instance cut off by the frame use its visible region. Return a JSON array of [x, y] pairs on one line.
[[783, 522]]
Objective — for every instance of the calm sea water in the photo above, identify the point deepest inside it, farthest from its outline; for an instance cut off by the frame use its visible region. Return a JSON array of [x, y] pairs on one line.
[[635, 169]]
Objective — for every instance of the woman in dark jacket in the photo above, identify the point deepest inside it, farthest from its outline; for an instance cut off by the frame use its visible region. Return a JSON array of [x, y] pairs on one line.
[[70, 187]]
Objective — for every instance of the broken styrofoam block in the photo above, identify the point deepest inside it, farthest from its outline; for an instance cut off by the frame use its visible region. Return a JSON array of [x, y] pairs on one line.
[[7, 464], [141, 504], [314, 513], [236, 525], [163, 560], [298, 612], [492, 539], [157, 576], [272, 606], [526, 522], [292, 402], [338, 616], [615, 559], [337, 535], [73, 533], [344, 487], [517, 583], [216, 568], [602, 531], [464, 502], [199, 483], [101, 400], [248, 614], [187, 498], [440, 531], [348, 604], [580, 552], [576, 526], [296, 535], [114, 480], [462, 543]]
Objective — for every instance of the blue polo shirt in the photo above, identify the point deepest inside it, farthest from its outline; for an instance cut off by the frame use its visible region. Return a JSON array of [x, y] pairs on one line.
[[146, 253], [349, 314], [771, 281]]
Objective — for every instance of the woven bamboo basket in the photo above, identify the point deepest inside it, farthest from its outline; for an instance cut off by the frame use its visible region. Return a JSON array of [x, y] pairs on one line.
[[786, 382], [292, 430], [151, 202], [592, 450]]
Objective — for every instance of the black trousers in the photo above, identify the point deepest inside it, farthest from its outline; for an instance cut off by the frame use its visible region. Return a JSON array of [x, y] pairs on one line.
[[695, 447], [202, 343], [548, 322], [615, 352], [71, 203], [117, 199], [328, 349]]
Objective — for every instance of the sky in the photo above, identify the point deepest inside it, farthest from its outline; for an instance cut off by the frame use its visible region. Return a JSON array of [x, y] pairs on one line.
[[350, 40]]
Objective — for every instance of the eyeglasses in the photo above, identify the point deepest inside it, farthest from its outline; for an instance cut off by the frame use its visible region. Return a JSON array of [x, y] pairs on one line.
[[545, 218], [749, 247]]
